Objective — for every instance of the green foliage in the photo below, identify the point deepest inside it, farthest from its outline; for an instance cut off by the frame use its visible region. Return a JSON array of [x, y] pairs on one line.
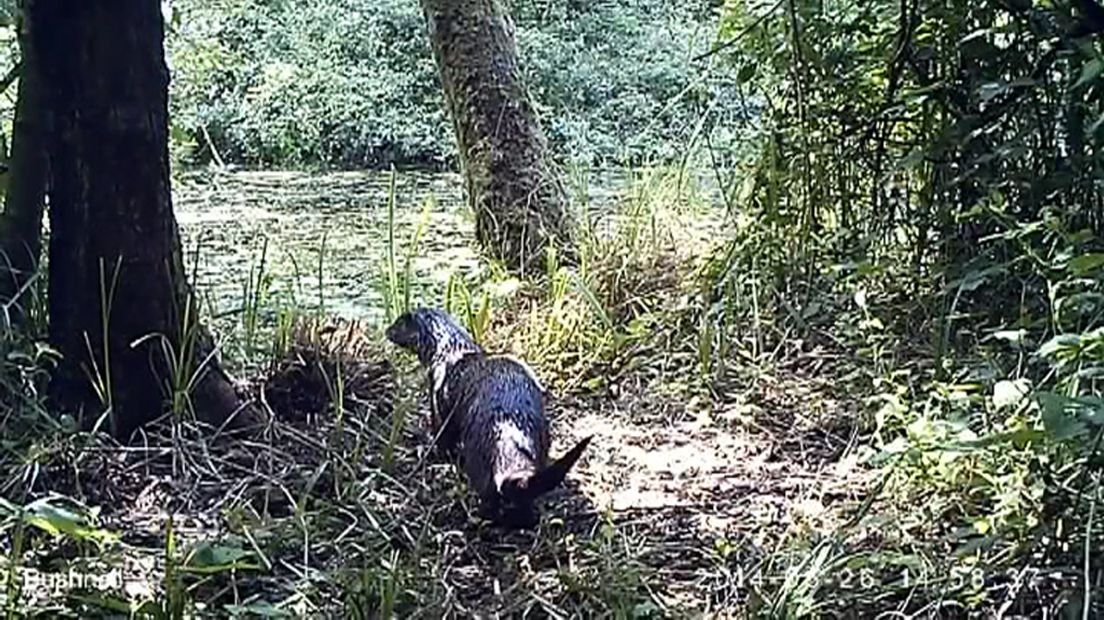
[[353, 84], [924, 200], [926, 190], [207, 558], [56, 516], [616, 81], [608, 312], [292, 83], [921, 129]]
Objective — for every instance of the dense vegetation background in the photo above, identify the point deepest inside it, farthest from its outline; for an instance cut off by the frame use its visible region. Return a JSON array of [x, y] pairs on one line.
[[343, 84], [938, 168]]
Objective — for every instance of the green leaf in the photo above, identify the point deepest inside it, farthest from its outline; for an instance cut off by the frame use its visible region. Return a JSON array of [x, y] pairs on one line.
[[980, 33], [1095, 125], [1084, 303], [983, 525], [914, 158], [1062, 343], [1060, 416], [50, 516], [975, 278], [747, 72], [991, 89], [114, 603], [923, 92], [592, 301], [1086, 263], [1090, 72], [208, 558]]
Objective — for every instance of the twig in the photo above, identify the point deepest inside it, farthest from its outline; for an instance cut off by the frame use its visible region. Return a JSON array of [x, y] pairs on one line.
[[11, 76], [1086, 602], [739, 36], [211, 145]]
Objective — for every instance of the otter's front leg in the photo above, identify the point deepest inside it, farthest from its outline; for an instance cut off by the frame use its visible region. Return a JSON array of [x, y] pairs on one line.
[[446, 445], [444, 439]]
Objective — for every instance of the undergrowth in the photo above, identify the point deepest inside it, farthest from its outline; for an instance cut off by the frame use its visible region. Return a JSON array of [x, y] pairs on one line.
[[977, 434], [336, 506], [982, 417]]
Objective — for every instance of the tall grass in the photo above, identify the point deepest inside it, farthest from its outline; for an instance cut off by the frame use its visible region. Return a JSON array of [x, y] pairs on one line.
[[399, 278], [254, 298], [635, 261], [474, 309], [100, 372]]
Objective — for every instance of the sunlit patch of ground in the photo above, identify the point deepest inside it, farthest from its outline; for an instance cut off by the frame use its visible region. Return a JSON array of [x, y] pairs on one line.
[[745, 471]]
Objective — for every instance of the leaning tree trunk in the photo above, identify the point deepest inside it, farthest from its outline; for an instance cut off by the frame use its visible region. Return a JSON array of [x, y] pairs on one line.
[[21, 223], [511, 186], [119, 303]]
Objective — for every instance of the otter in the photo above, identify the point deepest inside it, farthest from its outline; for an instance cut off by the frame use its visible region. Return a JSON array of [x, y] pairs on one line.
[[487, 411]]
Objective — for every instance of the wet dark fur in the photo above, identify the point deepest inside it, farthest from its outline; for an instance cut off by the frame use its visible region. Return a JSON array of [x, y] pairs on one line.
[[489, 412]]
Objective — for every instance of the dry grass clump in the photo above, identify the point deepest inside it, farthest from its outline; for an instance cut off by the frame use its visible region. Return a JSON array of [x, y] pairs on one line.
[[187, 516], [322, 359]]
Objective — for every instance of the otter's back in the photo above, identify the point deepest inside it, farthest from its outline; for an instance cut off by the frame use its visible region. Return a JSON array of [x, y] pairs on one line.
[[495, 402]]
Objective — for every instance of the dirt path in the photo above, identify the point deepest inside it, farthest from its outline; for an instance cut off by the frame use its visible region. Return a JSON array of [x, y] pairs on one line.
[[703, 487]]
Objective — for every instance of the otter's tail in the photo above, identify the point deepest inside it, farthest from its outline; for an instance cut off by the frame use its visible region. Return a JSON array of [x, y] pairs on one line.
[[546, 479]]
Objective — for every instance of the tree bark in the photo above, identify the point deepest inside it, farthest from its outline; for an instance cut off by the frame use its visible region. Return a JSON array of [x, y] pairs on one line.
[[21, 223], [119, 304], [518, 202]]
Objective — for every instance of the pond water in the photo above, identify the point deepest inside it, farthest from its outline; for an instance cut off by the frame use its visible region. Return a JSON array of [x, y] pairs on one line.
[[286, 228], [283, 226]]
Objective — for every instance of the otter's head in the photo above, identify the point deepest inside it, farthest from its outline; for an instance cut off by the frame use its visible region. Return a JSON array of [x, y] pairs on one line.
[[431, 334]]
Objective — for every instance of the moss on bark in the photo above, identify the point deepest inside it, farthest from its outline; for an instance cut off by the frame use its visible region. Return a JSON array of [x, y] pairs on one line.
[[511, 184]]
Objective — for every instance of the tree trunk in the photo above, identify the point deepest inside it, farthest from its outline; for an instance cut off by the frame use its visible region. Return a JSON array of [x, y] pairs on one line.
[[511, 187], [119, 303], [21, 224]]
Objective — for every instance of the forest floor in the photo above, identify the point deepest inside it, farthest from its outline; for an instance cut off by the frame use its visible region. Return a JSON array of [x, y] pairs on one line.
[[707, 489], [673, 511], [682, 505]]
